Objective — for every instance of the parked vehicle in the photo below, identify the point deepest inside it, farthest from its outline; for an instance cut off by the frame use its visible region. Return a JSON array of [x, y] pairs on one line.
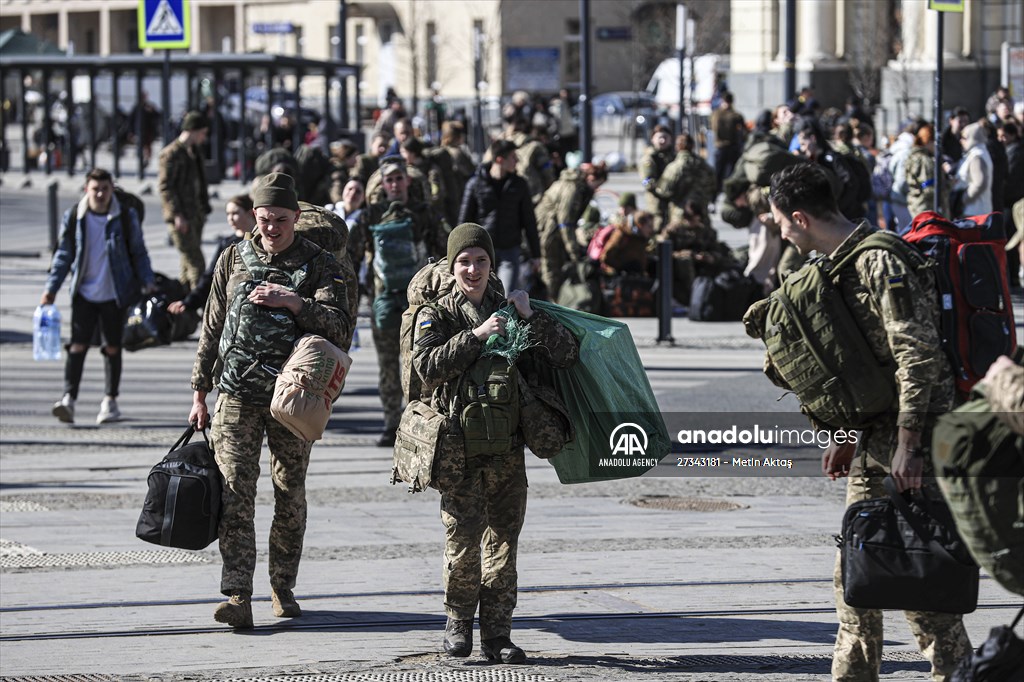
[[664, 84], [623, 113]]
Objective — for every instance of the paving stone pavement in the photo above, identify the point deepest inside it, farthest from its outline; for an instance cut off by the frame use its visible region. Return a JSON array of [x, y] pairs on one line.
[[657, 578]]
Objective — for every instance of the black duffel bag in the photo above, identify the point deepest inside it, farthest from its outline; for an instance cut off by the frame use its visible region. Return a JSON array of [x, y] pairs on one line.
[[148, 324], [899, 553], [724, 297], [999, 658], [182, 507]]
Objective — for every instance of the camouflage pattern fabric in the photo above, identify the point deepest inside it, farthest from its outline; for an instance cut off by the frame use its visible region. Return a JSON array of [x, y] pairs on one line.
[[1006, 396], [238, 431], [324, 310], [389, 366], [533, 164], [329, 231], [366, 165], [858, 649], [428, 452], [687, 178], [557, 215], [256, 340], [898, 313], [919, 170], [183, 192], [652, 166], [484, 513]]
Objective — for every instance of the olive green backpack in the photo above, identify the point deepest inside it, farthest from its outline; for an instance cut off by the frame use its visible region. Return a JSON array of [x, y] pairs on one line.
[[817, 349], [979, 463], [488, 406]]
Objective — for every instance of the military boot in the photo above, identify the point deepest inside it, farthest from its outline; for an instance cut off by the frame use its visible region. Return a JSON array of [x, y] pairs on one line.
[[236, 611], [502, 649], [284, 602], [458, 637]]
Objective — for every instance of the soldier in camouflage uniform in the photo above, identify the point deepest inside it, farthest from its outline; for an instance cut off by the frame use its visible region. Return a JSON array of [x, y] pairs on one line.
[[186, 202], [654, 162], [260, 314], [687, 178], [369, 162], [430, 234], [488, 506], [534, 161], [897, 308], [557, 216]]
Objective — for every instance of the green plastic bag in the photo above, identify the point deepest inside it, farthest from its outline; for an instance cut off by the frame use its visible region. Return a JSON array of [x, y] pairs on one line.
[[620, 431]]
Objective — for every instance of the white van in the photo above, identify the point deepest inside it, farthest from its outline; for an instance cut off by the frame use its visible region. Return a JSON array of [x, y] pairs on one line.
[[664, 83]]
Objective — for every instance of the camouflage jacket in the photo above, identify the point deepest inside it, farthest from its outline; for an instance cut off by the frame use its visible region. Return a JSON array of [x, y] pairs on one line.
[[427, 226], [1006, 396], [445, 347], [182, 181], [688, 177], [534, 164], [365, 166], [562, 207], [919, 174], [898, 312], [324, 310], [419, 187], [653, 164]]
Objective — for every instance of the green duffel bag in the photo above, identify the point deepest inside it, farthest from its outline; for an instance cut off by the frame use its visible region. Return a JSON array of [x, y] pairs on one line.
[[979, 463]]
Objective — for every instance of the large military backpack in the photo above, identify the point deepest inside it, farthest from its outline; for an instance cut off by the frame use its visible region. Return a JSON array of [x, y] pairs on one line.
[[976, 315], [429, 284], [817, 348], [979, 462], [487, 403], [329, 231], [257, 340]]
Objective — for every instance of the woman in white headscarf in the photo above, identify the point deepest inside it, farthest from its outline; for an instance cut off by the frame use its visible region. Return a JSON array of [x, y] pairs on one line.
[[974, 176]]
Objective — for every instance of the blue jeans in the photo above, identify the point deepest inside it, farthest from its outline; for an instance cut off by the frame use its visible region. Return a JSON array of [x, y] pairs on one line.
[[507, 267]]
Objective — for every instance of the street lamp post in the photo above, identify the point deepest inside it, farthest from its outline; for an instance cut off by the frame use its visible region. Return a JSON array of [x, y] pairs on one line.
[[586, 113], [681, 55], [478, 76]]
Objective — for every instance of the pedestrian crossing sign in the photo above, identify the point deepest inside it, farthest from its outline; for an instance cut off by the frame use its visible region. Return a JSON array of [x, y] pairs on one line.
[[165, 23]]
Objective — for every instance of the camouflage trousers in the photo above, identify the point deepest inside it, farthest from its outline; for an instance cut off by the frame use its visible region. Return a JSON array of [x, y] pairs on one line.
[[389, 363], [238, 431], [189, 246], [487, 508], [552, 258], [858, 650]]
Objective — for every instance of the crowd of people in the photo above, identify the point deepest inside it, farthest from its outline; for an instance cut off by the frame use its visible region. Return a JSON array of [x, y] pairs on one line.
[[522, 224]]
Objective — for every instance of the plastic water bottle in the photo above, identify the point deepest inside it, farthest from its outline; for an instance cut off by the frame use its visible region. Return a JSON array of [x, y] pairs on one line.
[[46, 333]]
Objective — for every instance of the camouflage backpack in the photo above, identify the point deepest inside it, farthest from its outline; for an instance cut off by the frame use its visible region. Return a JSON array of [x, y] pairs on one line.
[[979, 463], [256, 340], [329, 231], [816, 348]]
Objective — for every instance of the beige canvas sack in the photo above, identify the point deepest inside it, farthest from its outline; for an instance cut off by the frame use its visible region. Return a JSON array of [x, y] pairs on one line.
[[309, 383]]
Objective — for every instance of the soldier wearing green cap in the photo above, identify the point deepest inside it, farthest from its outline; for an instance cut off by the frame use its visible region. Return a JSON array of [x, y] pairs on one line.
[[265, 294], [186, 202], [483, 514], [397, 234]]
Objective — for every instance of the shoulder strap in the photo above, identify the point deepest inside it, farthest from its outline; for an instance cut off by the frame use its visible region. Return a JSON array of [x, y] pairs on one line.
[[882, 241]]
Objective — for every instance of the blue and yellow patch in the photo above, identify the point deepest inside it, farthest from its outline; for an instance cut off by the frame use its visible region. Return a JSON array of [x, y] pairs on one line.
[[426, 324], [896, 282], [339, 280]]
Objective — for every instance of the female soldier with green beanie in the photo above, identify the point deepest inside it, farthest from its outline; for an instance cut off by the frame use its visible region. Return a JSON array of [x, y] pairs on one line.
[[484, 395]]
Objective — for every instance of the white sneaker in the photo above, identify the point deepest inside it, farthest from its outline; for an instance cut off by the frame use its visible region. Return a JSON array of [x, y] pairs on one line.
[[108, 411], [64, 409]]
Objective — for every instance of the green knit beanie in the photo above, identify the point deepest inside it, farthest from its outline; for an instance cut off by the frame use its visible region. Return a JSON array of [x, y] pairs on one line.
[[275, 189], [465, 236]]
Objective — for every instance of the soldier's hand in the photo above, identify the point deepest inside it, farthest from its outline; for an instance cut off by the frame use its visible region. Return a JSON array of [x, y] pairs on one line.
[[276, 296], [907, 467], [836, 459], [180, 224], [495, 324], [176, 307], [199, 416], [521, 300], [47, 298]]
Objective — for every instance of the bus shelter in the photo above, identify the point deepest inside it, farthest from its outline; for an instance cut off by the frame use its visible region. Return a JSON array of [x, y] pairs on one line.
[[216, 71]]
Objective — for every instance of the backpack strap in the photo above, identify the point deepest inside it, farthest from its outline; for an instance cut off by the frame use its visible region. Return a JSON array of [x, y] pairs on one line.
[[911, 518], [882, 241]]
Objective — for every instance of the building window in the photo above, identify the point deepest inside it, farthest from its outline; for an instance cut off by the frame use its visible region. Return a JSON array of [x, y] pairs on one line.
[[431, 53]]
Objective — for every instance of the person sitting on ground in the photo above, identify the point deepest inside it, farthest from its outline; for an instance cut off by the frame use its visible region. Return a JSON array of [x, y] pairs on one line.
[[627, 245]]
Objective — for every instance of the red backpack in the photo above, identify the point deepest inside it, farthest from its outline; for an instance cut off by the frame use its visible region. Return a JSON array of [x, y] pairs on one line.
[[976, 312]]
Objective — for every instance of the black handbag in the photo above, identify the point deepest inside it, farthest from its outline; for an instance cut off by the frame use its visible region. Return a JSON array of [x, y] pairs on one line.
[[148, 324], [182, 507], [900, 553], [998, 659]]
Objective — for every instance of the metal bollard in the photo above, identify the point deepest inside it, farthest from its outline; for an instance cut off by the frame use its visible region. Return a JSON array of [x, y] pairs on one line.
[[665, 292], [53, 212]]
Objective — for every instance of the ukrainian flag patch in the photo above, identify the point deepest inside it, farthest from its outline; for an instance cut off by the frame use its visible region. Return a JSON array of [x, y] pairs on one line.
[[339, 280], [896, 282], [426, 324]]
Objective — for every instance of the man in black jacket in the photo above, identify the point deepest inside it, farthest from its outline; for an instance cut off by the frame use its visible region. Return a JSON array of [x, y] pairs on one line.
[[499, 200]]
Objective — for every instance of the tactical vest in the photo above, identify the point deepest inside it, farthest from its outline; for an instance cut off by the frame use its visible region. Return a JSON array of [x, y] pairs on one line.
[[488, 406], [819, 350], [257, 340]]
